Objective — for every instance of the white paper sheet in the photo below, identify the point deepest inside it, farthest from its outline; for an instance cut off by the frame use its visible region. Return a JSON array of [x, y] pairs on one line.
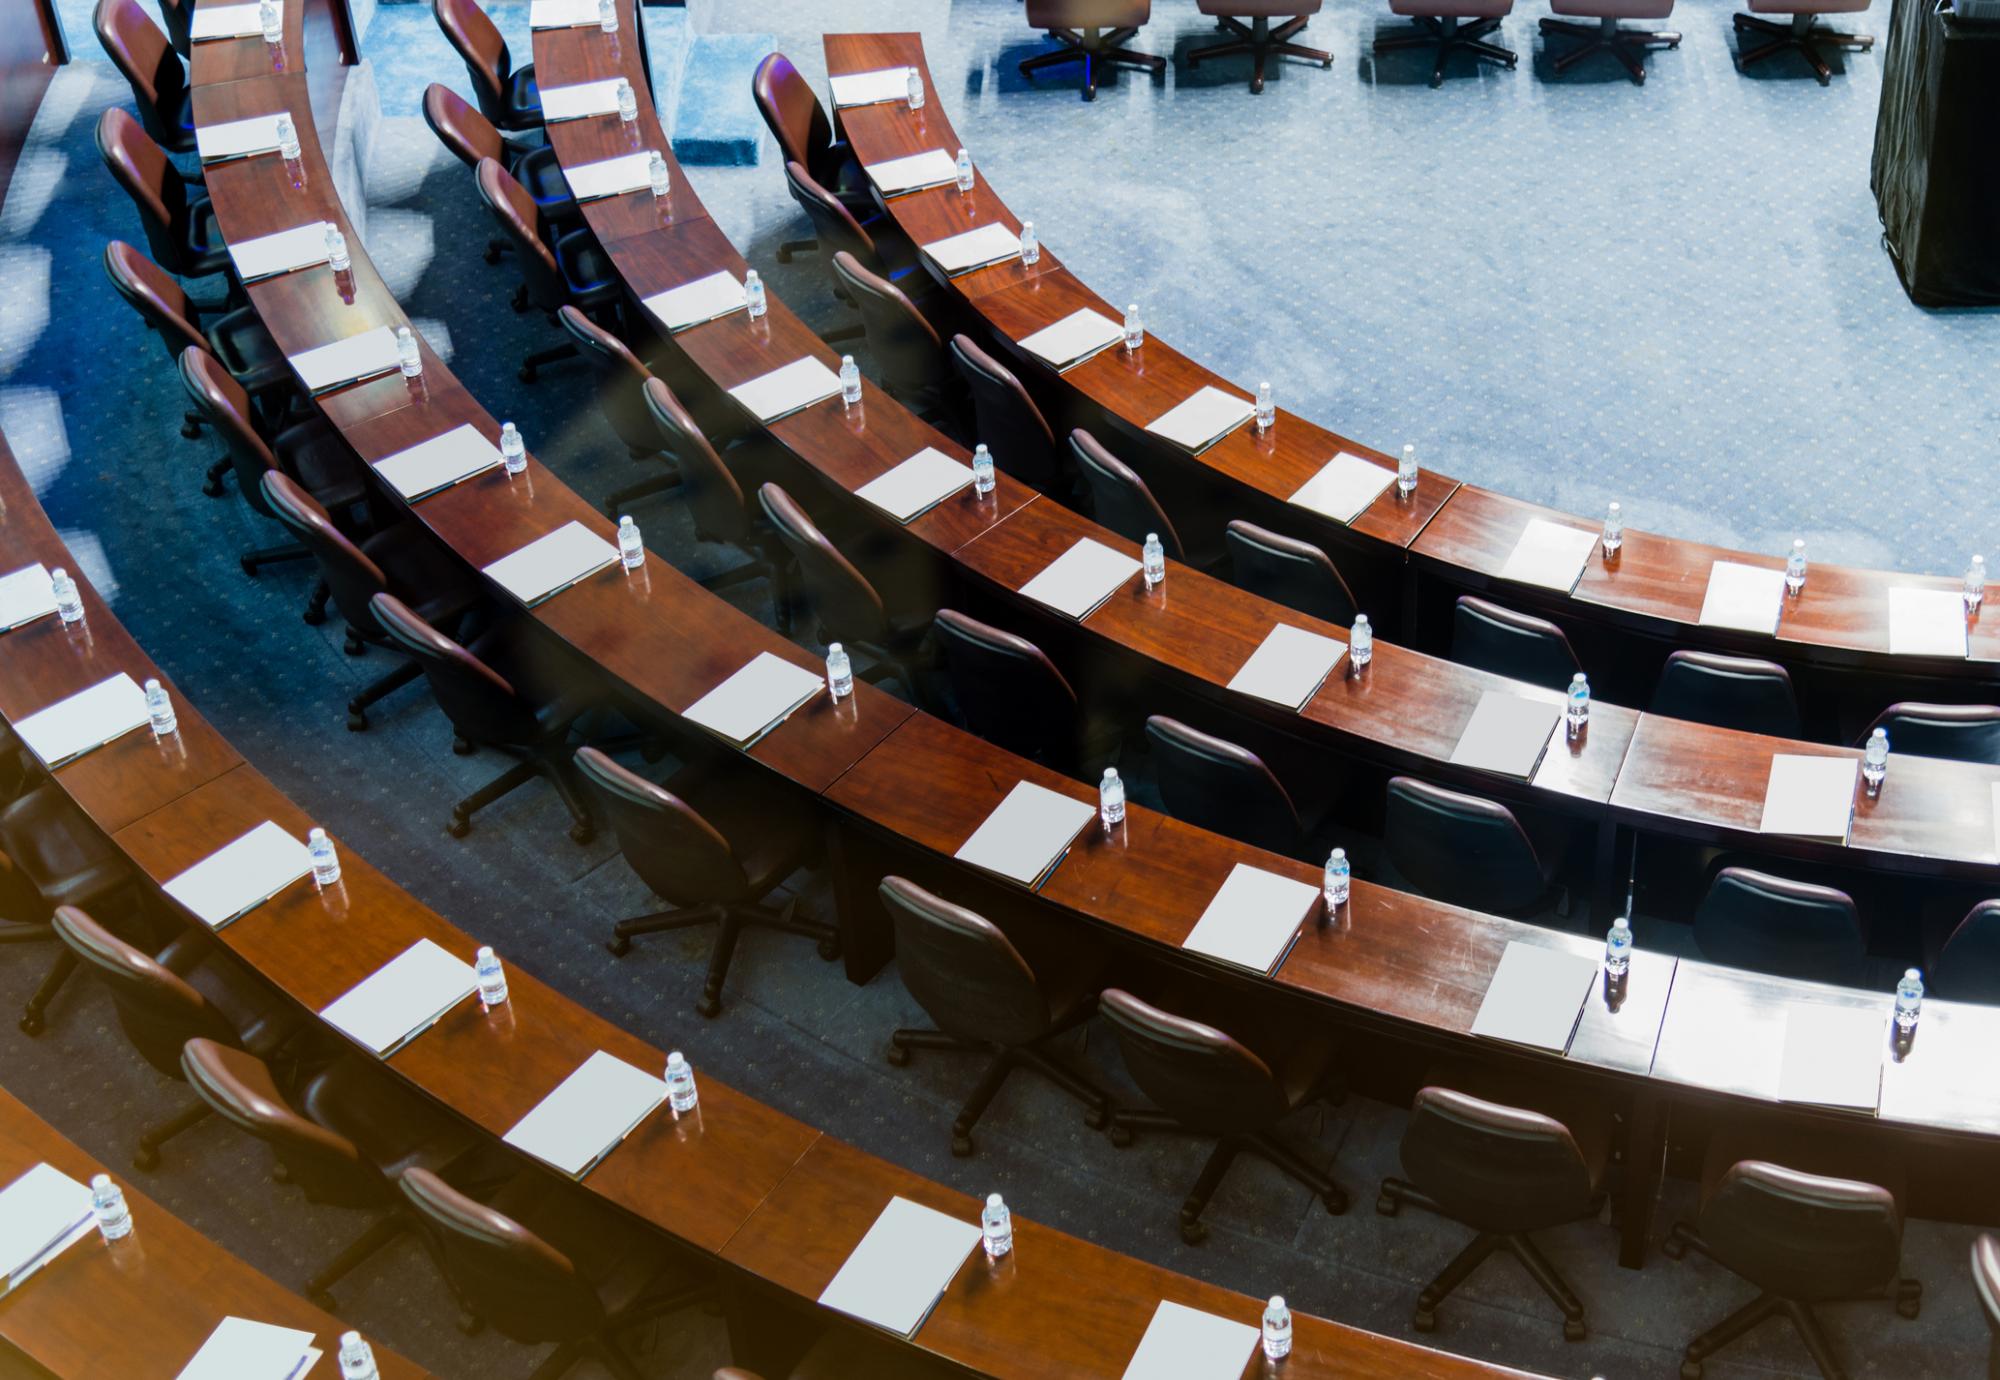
[[1549, 555], [917, 485], [237, 138], [754, 699], [226, 21], [899, 1270], [1746, 597], [25, 595], [704, 299], [580, 101], [402, 998], [1536, 997], [1289, 666], [241, 874], [932, 168], [1253, 918], [1926, 622], [1204, 418], [39, 1213], [628, 172], [588, 1115], [1074, 339], [1810, 797], [239, 1349], [562, 14], [1183, 1343], [303, 246], [1080, 579], [988, 244], [870, 88], [1027, 833], [1507, 734], [88, 719], [1344, 487], [342, 362], [1832, 1055], [783, 391], [552, 563], [442, 461]]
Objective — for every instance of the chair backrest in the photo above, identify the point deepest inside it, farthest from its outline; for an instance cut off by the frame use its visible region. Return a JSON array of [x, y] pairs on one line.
[[482, 706], [708, 488], [1214, 784], [1287, 571], [504, 1273], [1803, 1236], [1193, 1072], [792, 112], [1011, 426], [351, 576], [1009, 693], [1774, 925], [468, 134], [680, 855], [1119, 498], [479, 44], [520, 220], [178, 16], [158, 299], [159, 1010], [1461, 849], [1957, 732], [962, 970], [833, 224], [904, 344], [137, 164], [1517, 645], [141, 52], [222, 401], [1986, 1283], [325, 1165], [847, 606], [621, 379], [1968, 966], [1743, 692], [1494, 1167]]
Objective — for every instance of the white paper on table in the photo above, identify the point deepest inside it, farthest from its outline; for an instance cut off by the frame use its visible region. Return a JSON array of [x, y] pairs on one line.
[[1082, 578], [1253, 918], [628, 172], [702, 300], [1832, 1055], [1926, 622], [1075, 338], [403, 998], [363, 356], [241, 875], [552, 563], [1746, 597], [237, 138], [917, 485], [901, 1268], [1027, 834], [1344, 487], [588, 1115], [226, 21], [239, 1349], [1507, 734], [870, 88], [88, 719], [1536, 997], [303, 246], [1810, 797], [1289, 666], [42, 1213], [786, 390], [444, 460], [1204, 418], [989, 244], [1550, 555], [25, 595], [932, 168], [1183, 1343], [562, 14], [755, 699], [580, 101]]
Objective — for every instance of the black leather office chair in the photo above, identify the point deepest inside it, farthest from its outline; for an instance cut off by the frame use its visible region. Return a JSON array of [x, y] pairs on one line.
[[1220, 786], [1091, 32], [179, 224], [1206, 1083], [1516, 645], [1741, 692], [1956, 732], [1968, 966], [1007, 422], [1464, 850], [52, 855], [871, 238], [1773, 925], [1986, 1282], [621, 379], [236, 338], [708, 488], [797, 120], [570, 269], [905, 347], [507, 95], [1010, 694], [470, 136], [1288, 571], [1119, 498], [146, 59], [178, 17]]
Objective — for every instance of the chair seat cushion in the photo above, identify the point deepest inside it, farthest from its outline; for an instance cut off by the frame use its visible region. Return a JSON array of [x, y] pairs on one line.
[[771, 832], [1613, 9], [243, 347], [313, 453], [261, 1018], [541, 173], [586, 268], [206, 249], [524, 97], [434, 584], [1452, 9], [621, 1260], [393, 1127]]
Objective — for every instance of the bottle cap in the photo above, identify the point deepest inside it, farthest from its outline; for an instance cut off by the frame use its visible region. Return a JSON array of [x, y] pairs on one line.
[[833, 647], [1152, 537], [750, 276], [485, 952], [152, 685], [674, 1059], [1277, 1300], [846, 360], [625, 521], [993, 1200], [1912, 975], [315, 835], [100, 1181], [1339, 854], [349, 1340]]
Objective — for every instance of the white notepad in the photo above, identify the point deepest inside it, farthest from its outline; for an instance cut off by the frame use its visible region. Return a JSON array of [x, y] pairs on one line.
[[1832, 1056], [1075, 338], [1507, 734], [552, 563], [1082, 578], [581, 101], [1027, 834], [42, 1213], [1746, 597], [917, 485], [226, 21], [1183, 1343], [239, 1349], [629, 172], [1810, 797], [755, 699], [1203, 419], [439, 463], [989, 244], [88, 719], [561, 14], [932, 168], [342, 362], [403, 998], [241, 875], [1252, 919], [1549, 555], [1926, 622], [1289, 666], [870, 88], [237, 138], [1536, 997], [588, 1115], [704, 299], [1344, 487], [784, 391], [902, 1267], [303, 246], [25, 595]]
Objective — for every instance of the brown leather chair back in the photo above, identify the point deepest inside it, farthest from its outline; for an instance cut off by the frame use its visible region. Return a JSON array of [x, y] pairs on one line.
[[141, 52], [903, 343], [1955, 732], [847, 606], [159, 1010], [1119, 498], [351, 576], [478, 43], [325, 1165], [1519, 646], [621, 379], [1008, 692], [137, 164], [1193, 1072], [1007, 420], [833, 224], [1288, 571], [677, 853], [482, 706], [1218, 785], [468, 134], [520, 220], [1986, 1283], [1803, 1236], [962, 970], [1461, 849], [792, 112], [1493, 1167], [158, 299], [221, 400], [713, 497]]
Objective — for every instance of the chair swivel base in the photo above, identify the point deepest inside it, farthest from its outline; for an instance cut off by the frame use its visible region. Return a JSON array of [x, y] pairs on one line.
[[1264, 1144], [1097, 1107], [1090, 47], [1629, 46], [1801, 36], [732, 921], [1396, 1192], [582, 828], [1447, 37], [1260, 40]]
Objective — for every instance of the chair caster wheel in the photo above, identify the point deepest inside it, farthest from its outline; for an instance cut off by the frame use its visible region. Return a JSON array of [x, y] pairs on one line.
[[192, 431], [619, 947], [526, 375], [459, 828], [708, 1007], [461, 748], [214, 487], [314, 616], [1194, 1233], [1424, 1320], [249, 566], [829, 947], [1097, 1118], [897, 1055], [1387, 1206], [1121, 1136], [145, 1159], [1573, 1329], [1673, 1248], [1690, 1370], [582, 833], [33, 1024], [492, 254], [961, 1145], [1909, 1297]]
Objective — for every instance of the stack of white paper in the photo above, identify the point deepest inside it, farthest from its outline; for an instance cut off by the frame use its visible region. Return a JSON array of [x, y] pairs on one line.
[[303, 246], [241, 875], [226, 21], [581, 101], [358, 357], [588, 1115], [1082, 578], [932, 168], [989, 244], [1550, 555], [1203, 419], [1810, 797], [870, 88], [552, 563], [25, 595], [1832, 1055], [1027, 834], [439, 463], [42, 1213], [917, 485], [1289, 666], [561, 14], [784, 391], [755, 699], [704, 299], [239, 1349], [403, 998], [1746, 597], [629, 172], [1253, 919], [1344, 487], [90, 718], [1183, 1343], [1926, 622], [1536, 997], [237, 138], [1506, 734], [1075, 338], [902, 1267]]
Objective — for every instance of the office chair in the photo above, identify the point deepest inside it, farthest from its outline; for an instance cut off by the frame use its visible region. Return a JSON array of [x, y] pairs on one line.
[[797, 120], [1955, 732], [1260, 40], [1986, 1282], [1119, 498], [1774, 925], [621, 381], [709, 489], [1607, 35], [180, 225], [1968, 966], [1802, 35], [1216, 785], [1742, 692], [873, 240], [1516, 645], [1287, 571], [470, 136], [905, 347], [52, 855], [507, 94], [1464, 850], [1007, 422], [1091, 32], [575, 271], [1205, 1083], [178, 16], [1504, 1170], [159, 82], [1012, 695], [1439, 25], [714, 842], [982, 996]]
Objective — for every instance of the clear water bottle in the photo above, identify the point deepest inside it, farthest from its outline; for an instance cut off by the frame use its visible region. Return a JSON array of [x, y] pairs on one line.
[[357, 1359], [1406, 471], [753, 294], [325, 861], [607, 16], [1618, 948], [160, 709], [681, 1095], [1614, 528], [1277, 1329], [513, 450], [1795, 567], [69, 599], [1576, 712], [1909, 1000], [491, 976], [107, 1201], [659, 174], [1975, 584], [1875, 760], [839, 671], [1153, 560], [850, 381], [914, 85], [288, 140], [965, 177], [628, 102], [1031, 248], [409, 358], [272, 16], [1267, 411], [996, 1226], [1135, 328], [337, 257], [982, 471], [1339, 878], [1111, 799], [1361, 641], [631, 549]]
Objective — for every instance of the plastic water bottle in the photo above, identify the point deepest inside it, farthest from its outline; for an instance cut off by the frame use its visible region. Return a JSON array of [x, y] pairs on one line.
[[107, 1201], [915, 86], [753, 294], [272, 16], [491, 976], [631, 550], [1267, 411], [1135, 328], [1875, 760], [513, 450], [288, 140], [965, 177], [1361, 641], [681, 1095], [160, 709], [1031, 248], [337, 257], [357, 1359], [850, 381], [1577, 711], [982, 471], [839, 671], [607, 16], [325, 861], [1975, 584], [1618, 948], [628, 102], [1614, 528], [1111, 799], [996, 1227], [69, 600], [1153, 558], [1277, 1329], [1339, 878], [1795, 567], [659, 174], [409, 358], [1406, 471], [1909, 1000]]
